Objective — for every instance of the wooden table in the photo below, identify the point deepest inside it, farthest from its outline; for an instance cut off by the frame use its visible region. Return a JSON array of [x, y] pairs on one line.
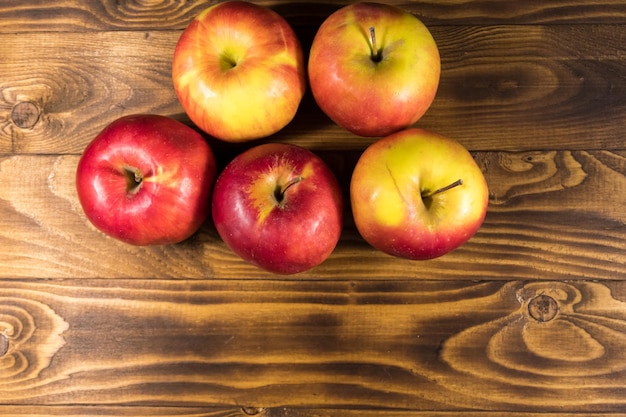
[[528, 317]]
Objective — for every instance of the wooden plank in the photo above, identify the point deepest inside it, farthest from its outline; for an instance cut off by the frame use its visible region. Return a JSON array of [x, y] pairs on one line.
[[79, 15], [297, 412], [552, 215], [80, 82], [395, 345], [123, 411], [28, 16], [502, 88]]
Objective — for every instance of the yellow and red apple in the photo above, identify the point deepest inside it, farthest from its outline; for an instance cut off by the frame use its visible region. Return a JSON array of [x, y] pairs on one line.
[[146, 180], [279, 207], [416, 194], [373, 68], [238, 71]]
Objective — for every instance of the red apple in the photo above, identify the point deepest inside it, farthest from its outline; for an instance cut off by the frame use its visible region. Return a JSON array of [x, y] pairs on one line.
[[146, 180], [416, 194], [238, 71], [373, 68], [279, 207]]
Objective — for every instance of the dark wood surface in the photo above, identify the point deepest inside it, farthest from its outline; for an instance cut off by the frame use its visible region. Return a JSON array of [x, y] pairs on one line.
[[527, 318]]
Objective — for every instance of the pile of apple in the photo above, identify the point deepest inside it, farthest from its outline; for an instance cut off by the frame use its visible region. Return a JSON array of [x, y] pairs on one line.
[[239, 73]]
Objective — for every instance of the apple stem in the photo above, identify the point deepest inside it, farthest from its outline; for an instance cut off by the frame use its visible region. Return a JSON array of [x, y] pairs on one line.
[[442, 189], [280, 191], [376, 54], [134, 178], [138, 176]]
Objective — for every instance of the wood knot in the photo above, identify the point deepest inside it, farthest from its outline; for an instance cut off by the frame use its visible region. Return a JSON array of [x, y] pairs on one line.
[[4, 344], [252, 411], [25, 115], [543, 308]]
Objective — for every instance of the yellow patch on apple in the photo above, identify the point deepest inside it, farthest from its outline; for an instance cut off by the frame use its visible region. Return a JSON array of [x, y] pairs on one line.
[[267, 193]]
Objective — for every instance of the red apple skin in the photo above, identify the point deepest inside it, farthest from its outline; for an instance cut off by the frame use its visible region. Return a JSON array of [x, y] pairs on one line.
[[284, 237], [178, 169], [238, 71], [373, 98], [386, 191]]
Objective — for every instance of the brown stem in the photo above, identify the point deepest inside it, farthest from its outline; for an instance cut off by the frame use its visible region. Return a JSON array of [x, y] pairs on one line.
[[134, 178], [442, 189], [279, 194], [376, 54]]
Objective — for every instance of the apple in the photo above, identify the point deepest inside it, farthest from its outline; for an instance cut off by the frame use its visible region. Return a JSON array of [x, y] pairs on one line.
[[146, 180], [238, 71], [278, 206], [373, 68], [416, 194]]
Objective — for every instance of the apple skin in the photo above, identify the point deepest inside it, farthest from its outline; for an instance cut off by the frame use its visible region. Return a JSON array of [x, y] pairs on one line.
[[386, 191], [238, 71], [285, 235], [371, 98], [177, 169]]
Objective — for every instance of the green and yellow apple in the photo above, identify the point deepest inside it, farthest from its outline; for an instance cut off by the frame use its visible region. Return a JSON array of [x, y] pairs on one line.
[[373, 68], [416, 194], [279, 207], [238, 71]]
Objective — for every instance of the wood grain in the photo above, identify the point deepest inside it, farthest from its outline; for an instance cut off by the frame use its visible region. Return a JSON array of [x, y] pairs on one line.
[[115, 411], [502, 88], [119, 411], [298, 412], [76, 15], [78, 88], [552, 215], [366, 344]]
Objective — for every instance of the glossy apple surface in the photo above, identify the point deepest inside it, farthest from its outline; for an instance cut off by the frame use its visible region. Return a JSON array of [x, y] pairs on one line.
[[373, 86], [418, 195], [146, 180], [279, 207], [238, 71]]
